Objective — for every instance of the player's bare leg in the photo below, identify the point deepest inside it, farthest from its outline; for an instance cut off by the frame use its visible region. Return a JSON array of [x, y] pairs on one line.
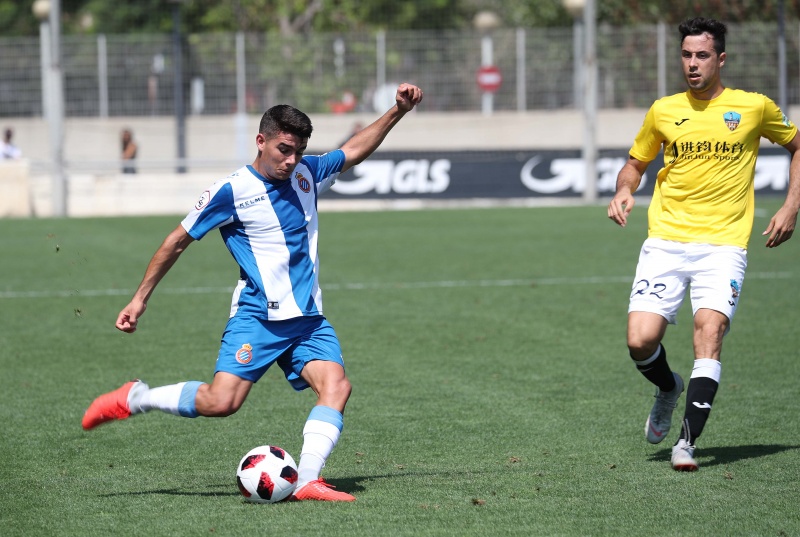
[[709, 329], [322, 430], [222, 397], [645, 332]]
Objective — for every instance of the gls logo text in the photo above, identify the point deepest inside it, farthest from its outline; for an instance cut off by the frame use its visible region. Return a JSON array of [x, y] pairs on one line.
[[554, 176], [404, 177], [557, 175]]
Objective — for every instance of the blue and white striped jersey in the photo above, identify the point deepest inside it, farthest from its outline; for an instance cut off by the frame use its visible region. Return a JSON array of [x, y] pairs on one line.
[[271, 229]]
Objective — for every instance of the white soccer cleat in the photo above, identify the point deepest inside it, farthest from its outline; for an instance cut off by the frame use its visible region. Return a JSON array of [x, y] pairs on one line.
[[659, 421], [683, 457]]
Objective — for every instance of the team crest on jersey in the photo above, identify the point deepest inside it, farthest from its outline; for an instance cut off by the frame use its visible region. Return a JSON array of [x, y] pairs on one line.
[[735, 289], [205, 197], [303, 183], [245, 354], [732, 119]]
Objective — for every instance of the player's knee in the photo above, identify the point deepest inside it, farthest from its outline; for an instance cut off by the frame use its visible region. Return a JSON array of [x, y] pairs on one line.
[[342, 388], [641, 347], [645, 331], [708, 341], [711, 331], [338, 390], [347, 388]]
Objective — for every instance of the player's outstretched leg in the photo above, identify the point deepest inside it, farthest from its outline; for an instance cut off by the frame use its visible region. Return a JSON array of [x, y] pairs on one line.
[[112, 405], [683, 457], [659, 421], [136, 397]]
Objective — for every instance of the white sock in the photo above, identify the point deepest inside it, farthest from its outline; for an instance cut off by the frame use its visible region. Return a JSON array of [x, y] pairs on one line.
[[319, 439], [163, 398], [707, 367]]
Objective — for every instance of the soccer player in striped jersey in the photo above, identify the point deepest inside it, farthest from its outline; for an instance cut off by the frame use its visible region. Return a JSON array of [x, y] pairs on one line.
[[266, 213], [699, 224]]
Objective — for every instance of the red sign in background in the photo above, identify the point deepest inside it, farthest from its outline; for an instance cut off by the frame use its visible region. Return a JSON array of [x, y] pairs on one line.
[[489, 78]]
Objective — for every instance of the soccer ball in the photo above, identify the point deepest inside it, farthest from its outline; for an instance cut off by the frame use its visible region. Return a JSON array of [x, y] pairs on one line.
[[267, 474]]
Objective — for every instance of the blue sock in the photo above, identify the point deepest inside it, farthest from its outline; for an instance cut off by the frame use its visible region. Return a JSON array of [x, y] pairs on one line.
[[328, 415], [186, 405]]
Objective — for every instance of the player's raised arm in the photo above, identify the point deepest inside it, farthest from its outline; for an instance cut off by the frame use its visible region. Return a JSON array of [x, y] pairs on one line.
[[781, 226], [366, 141], [166, 255], [627, 182]]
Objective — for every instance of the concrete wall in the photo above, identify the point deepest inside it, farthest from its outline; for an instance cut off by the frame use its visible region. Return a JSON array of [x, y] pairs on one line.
[[217, 138], [216, 145], [15, 190]]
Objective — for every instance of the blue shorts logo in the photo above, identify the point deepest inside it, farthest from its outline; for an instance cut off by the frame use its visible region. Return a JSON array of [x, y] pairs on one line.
[[245, 354]]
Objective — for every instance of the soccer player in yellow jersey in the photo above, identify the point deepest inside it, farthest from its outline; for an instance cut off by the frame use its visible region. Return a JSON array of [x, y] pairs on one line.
[[699, 224]]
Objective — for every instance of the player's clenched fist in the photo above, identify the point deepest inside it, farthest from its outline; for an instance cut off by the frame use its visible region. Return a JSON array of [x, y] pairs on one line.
[[408, 96]]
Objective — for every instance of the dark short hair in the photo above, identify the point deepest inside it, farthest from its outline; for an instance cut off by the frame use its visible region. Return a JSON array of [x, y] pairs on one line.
[[285, 118], [700, 26]]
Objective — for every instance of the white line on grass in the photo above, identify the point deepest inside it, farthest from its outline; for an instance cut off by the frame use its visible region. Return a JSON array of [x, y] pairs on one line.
[[532, 282]]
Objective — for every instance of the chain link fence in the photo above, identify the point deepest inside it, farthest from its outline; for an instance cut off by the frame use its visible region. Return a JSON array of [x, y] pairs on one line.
[[134, 75]]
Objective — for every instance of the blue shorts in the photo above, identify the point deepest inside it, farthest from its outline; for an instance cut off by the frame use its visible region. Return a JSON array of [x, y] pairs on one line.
[[251, 345]]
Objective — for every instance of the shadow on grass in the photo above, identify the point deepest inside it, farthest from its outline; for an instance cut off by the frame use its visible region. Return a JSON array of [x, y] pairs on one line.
[[224, 490], [350, 485], [728, 454]]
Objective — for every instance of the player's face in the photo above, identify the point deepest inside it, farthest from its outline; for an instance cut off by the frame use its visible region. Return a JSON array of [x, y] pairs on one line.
[[279, 156], [702, 66]]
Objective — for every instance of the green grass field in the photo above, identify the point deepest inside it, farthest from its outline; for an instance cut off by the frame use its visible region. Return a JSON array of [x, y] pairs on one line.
[[493, 394]]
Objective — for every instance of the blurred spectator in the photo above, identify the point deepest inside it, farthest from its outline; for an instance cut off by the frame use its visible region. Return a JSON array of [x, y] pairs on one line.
[[357, 126], [8, 150], [129, 149], [347, 104]]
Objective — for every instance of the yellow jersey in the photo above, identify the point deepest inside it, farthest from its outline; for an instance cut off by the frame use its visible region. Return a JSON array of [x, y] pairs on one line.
[[704, 193]]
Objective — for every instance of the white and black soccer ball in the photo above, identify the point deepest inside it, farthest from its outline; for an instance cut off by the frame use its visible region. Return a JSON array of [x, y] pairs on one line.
[[267, 474]]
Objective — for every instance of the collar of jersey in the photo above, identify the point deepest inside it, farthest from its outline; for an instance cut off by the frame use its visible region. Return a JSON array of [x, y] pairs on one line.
[[275, 182]]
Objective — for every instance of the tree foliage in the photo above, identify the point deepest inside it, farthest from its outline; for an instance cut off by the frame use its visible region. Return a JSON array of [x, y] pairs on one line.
[[16, 18], [297, 17], [624, 12]]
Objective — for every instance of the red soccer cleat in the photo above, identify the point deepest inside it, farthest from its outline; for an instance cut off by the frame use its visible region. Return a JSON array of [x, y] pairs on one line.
[[109, 406], [321, 491]]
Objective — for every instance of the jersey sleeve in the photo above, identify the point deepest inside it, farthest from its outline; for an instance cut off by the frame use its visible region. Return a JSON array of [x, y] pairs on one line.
[[214, 209], [775, 126], [325, 168], [647, 143]]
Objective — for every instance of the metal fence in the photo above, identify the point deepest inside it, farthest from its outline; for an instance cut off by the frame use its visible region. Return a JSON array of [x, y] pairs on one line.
[[134, 75]]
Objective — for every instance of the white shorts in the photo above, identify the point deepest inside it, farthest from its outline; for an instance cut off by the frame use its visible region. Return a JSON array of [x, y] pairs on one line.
[[667, 268]]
